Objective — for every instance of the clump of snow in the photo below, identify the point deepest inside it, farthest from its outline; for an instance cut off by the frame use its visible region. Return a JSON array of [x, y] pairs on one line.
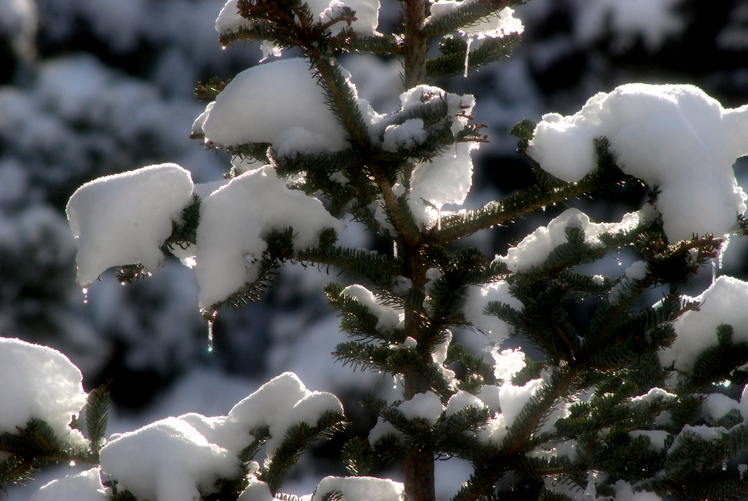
[[652, 21], [534, 249], [494, 431], [462, 400], [475, 304], [39, 382], [744, 404], [168, 460], [262, 102], [507, 363], [406, 135], [256, 491], [180, 457], [498, 24], [439, 356], [382, 429], [125, 218], [360, 489], [513, 398], [423, 405], [637, 271], [625, 492], [640, 403], [281, 403], [388, 317], [716, 405], [236, 216], [673, 137], [722, 303], [446, 178], [84, 486]]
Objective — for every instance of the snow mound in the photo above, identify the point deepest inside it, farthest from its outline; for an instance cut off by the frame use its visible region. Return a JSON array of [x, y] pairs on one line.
[[168, 460], [85, 486], [722, 303], [535, 248], [39, 382], [673, 137], [478, 298], [262, 102], [360, 489], [236, 216], [125, 218]]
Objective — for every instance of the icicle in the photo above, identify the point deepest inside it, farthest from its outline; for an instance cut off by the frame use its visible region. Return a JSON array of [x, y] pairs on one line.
[[467, 54], [394, 250], [210, 318], [210, 336]]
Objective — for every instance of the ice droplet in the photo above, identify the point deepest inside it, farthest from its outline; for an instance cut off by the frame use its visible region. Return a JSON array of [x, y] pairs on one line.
[[85, 295]]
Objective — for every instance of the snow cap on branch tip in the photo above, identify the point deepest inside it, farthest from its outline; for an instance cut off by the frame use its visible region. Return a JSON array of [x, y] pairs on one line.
[[235, 218], [125, 218], [722, 303], [360, 489], [39, 382], [168, 460], [266, 103], [673, 137]]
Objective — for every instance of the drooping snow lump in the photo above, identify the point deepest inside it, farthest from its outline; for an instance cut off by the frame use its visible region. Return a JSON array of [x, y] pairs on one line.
[[125, 218], [722, 303], [39, 382], [673, 137], [167, 460], [266, 100], [236, 216]]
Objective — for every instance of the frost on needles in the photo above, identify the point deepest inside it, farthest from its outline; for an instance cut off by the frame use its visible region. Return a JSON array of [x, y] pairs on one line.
[[622, 399]]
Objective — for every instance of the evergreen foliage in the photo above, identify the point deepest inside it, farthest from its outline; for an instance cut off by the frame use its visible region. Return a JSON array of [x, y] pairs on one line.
[[598, 406]]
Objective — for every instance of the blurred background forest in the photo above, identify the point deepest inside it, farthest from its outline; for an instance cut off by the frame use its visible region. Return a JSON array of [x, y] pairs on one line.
[[96, 87]]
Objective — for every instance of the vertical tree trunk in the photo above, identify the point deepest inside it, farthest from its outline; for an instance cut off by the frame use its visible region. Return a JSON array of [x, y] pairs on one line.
[[414, 67]]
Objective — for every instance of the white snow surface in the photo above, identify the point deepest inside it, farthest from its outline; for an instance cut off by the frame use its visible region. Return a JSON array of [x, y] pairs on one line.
[[262, 102], [281, 403], [125, 218], [534, 249], [722, 303], [84, 486], [423, 405], [478, 298], [499, 24], [178, 458], [673, 137], [361, 489], [39, 382], [717, 405], [389, 318], [236, 216], [513, 398], [462, 400], [168, 460], [625, 492]]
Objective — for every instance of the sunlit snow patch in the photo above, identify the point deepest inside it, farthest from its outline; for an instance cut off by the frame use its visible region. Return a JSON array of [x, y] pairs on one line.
[[262, 102], [673, 137], [39, 382], [125, 218], [236, 216]]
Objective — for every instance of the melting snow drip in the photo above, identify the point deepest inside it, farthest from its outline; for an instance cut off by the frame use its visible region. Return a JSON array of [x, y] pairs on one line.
[[467, 54], [85, 295]]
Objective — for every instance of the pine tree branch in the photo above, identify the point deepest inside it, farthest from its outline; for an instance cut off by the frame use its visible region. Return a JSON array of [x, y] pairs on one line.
[[466, 14]]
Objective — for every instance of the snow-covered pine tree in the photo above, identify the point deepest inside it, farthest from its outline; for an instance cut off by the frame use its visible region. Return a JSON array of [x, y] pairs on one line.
[[634, 389]]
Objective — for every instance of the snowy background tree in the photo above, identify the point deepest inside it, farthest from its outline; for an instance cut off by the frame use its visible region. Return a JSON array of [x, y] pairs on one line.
[[75, 120]]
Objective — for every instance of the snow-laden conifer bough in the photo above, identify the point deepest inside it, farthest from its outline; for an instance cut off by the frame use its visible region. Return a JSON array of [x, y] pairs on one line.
[[308, 151]]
